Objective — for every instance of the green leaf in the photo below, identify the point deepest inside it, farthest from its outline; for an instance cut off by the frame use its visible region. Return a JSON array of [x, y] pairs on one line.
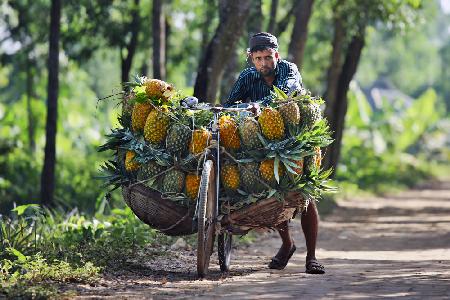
[[280, 93], [276, 164], [22, 208], [20, 257]]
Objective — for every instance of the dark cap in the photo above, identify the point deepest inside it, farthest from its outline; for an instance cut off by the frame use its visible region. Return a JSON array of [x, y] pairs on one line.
[[262, 40]]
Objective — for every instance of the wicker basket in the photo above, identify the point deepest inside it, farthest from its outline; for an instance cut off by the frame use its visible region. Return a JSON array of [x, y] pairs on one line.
[[162, 214], [266, 213]]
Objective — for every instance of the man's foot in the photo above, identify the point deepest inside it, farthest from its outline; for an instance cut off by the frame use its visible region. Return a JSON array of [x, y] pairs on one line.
[[280, 260], [314, 267]]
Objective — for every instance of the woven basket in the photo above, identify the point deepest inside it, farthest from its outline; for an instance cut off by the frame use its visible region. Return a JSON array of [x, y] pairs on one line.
[[267, 213], [162, 214]]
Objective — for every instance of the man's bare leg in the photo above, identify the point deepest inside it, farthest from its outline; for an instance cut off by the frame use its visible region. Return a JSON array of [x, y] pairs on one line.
[[310, 226], [286, 239], [280, 260]]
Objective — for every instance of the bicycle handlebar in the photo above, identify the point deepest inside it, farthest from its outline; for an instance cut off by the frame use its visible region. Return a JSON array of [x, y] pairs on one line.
[[193, 103]]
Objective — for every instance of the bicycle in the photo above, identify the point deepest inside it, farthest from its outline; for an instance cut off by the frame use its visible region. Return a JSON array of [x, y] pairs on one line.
[[208, 201]]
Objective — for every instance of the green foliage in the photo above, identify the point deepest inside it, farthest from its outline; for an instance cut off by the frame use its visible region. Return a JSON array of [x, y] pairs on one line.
[[378, 147], [31, 276]]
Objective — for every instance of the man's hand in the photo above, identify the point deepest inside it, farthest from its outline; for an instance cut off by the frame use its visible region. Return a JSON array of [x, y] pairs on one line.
[[254, 108]]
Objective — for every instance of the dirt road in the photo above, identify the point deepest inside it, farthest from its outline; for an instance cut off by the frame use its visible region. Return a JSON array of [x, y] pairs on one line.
[[390, 247]]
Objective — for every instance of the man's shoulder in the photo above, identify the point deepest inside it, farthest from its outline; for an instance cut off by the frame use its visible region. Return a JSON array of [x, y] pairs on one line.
[[248, 72], [288, 64]]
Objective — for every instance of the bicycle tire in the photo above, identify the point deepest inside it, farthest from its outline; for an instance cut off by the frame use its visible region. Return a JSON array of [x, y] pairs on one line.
[[224, 246], [206, 217]]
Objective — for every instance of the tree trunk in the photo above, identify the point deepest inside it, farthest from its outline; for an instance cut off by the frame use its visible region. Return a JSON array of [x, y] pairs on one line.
[[229, 77], [30, 116], [209, 10], [302, 13], [284, 22], [233, 15], [254, 21], [127, 60], [273, 16], [231, 72], [334, 69], [159, 40], [338, 110], [168, 33], [48, 171]]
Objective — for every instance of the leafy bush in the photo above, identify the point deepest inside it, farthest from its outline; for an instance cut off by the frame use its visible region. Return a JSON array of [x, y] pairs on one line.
[[380, 147]]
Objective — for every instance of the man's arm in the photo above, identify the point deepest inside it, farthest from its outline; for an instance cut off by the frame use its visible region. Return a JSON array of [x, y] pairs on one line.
[[292, 80], [239, 91]]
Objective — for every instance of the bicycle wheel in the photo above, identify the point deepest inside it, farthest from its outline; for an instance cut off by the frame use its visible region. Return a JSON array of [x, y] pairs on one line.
[[206, 217], [224, 242]]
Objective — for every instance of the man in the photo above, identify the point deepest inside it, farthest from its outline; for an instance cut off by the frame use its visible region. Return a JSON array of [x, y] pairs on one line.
[[255, 85]]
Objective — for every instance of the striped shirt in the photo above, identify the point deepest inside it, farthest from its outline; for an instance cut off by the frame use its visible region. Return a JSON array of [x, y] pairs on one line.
[[251, 87]]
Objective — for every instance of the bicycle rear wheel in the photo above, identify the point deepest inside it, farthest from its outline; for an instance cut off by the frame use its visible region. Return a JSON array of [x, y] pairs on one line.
[[224, 244], [206, 217]]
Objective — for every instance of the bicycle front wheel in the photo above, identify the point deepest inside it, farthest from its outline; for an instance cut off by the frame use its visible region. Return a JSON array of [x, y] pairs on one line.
[[206, 217]]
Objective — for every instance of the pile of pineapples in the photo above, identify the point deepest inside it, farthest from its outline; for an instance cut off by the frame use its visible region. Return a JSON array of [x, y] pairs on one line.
[[277, 152], [161, 144]]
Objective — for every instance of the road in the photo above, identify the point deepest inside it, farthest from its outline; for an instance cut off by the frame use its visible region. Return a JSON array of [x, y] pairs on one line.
[[382, 247]]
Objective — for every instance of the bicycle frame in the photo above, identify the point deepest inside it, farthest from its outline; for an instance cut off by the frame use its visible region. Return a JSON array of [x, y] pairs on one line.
[[215, 153]]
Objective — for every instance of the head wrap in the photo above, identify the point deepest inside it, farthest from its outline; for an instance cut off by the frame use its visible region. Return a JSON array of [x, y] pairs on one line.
[[263, 39]]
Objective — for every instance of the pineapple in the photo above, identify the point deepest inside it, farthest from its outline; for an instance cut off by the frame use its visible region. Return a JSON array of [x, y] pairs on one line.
[[271, 122], [230, 177], [149, 171], [229, 136], [156, 125], [251, 177], [192, 185], [313, 162], [310, 113], [139, 115], [173, 181], [178, 139], [155, 88], [200, 140], [290, 113], [249, 129], [130, 164], [266, 168]]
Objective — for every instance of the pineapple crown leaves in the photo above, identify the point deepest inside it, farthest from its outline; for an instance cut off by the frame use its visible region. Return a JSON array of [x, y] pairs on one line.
[[308, 99], [279, 94], [119, 137], [146, 153], [113, 175], [318, 136], [315, 184]]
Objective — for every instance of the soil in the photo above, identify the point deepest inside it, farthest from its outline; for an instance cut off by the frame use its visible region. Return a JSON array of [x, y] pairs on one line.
[[396, 246]]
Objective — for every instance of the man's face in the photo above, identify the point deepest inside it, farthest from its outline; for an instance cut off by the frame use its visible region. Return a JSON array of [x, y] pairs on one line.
[[265, 61]]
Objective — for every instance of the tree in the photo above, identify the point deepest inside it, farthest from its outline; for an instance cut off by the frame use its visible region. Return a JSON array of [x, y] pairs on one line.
[[302, 12], [273, 16], [231, 72], [128, 49], [159, 40], [232, 15], [23, 26], [48, 171], [351, 19]]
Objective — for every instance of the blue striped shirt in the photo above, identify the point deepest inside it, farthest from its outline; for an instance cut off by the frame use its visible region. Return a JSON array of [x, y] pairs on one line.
[[251, 87]]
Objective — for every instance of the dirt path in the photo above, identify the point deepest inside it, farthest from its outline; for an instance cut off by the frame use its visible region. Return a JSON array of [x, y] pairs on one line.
[[390, 247]]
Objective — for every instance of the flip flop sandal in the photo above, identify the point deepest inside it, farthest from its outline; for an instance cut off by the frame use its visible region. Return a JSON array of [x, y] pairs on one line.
[[314, 267], [278, 263]]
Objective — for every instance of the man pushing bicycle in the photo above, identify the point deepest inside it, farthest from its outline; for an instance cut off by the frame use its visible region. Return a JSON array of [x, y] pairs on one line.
[[255, 84]]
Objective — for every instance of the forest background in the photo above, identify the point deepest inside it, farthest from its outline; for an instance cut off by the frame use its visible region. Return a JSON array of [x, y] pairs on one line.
[[381, 67]]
